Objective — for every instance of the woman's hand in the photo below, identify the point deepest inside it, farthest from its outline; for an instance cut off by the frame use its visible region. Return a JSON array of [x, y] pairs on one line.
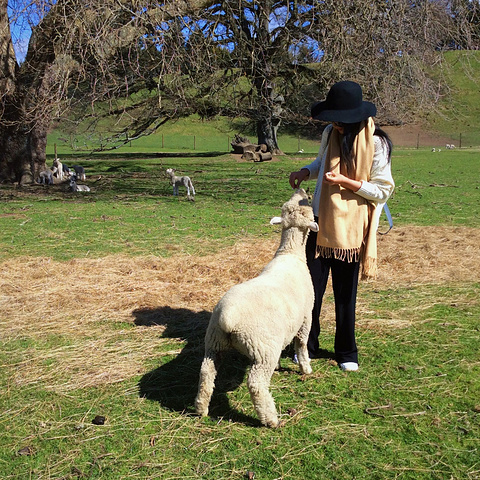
[[296, 178], [338, 179]]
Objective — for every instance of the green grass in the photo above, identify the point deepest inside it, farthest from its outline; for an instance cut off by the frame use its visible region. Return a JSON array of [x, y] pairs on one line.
[[131, 208], [412, 412], [436, 188]]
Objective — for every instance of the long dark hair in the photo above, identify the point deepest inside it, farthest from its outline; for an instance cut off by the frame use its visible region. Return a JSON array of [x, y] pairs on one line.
[[350, 131]]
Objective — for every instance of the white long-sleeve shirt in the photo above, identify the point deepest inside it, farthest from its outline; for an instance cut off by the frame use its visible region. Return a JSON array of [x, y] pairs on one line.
[[377, 190]]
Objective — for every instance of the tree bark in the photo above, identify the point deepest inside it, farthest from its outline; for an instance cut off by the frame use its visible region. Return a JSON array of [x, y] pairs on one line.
[[25, 103], [267, 134]]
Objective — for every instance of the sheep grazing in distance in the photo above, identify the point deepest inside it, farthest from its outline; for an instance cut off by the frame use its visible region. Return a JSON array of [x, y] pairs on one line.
[[449, 146], [261, 316], [178, 181]]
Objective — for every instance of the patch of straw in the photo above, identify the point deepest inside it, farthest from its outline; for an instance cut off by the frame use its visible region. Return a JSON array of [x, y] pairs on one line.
[[92, 304]]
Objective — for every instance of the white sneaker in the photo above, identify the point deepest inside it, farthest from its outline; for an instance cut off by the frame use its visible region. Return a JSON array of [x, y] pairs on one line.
[[349, 366]]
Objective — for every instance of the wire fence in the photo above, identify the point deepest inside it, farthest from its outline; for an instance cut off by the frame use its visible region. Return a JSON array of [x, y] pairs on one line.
[[426, 139], [290, 144]]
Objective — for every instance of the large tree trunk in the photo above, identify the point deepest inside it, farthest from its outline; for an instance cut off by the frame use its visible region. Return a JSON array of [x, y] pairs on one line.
[[24, 105], [269, 121], [22, 149], [267, 134]]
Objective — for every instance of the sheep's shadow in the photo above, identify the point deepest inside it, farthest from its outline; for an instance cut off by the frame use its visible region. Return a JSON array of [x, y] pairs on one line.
[[174, 383]]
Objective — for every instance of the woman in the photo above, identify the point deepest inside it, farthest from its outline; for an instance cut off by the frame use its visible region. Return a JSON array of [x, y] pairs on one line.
[[354, 180]]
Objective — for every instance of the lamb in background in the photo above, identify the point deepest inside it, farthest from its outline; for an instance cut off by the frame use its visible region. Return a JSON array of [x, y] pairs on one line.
[[261, 316], [74, 187], [79, 172], [66, 171], [58, 168], [178, 181], [45, 177]]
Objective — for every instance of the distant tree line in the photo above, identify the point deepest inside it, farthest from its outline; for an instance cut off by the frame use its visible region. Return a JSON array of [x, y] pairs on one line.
[[123, 68]]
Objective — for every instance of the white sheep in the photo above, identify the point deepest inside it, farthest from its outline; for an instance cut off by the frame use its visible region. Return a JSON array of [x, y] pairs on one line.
[[177, 181], [74, 187], [261, 316], [57, 168]]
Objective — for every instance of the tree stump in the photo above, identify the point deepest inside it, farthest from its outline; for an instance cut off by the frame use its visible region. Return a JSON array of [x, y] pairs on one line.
[[263, 156], [250, 151]]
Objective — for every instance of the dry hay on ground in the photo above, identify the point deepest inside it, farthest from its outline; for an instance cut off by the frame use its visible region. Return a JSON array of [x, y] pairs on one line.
[[84, 301], [422, 255]]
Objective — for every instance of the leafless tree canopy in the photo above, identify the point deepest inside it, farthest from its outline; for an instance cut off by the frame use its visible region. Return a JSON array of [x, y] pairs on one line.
[[132, 65]]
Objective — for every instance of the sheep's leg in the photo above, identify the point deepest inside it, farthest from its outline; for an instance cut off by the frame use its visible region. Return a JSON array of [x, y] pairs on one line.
[[258, 385], [300, 345], [187, 183], [302, 355], [206, 384]]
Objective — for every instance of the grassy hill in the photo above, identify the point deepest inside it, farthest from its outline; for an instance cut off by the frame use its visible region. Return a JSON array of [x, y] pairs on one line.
[[459, 109], [456, 120]]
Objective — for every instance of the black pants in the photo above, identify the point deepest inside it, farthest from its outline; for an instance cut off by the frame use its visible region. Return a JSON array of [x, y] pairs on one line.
[[345, 283]]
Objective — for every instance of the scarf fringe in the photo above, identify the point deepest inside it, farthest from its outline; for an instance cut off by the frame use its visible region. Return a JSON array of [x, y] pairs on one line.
[[368, 264], [369, 268], [344, 254]]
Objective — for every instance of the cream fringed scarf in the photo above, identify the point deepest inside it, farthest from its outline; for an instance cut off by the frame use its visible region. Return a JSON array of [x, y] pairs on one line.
[[345, 220]]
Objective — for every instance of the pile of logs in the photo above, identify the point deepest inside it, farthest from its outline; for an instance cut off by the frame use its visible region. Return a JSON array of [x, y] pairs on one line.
[[249, 150]]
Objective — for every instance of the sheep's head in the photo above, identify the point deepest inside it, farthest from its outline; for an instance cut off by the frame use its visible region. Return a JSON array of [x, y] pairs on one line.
[[297, 213]]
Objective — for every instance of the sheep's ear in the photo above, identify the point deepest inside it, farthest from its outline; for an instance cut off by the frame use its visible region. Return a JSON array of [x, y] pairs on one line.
[[313, 226], [276, 221]]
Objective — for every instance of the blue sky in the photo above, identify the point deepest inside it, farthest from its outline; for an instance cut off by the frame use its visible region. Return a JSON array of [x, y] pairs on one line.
[[20, 28]]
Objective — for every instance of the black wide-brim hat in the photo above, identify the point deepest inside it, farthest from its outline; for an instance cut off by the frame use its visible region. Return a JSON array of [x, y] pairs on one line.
[[345, 104]]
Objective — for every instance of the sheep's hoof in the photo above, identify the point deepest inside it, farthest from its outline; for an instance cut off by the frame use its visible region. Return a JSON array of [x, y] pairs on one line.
[[203, 412], [274, 423], [307, 370]]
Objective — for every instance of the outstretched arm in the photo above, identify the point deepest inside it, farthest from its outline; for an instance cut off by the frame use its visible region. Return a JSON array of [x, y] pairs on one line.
[[296, 178]]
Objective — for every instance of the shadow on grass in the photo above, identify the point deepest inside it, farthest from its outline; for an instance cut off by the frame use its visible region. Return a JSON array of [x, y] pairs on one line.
[[174, 383], [109, 155]]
